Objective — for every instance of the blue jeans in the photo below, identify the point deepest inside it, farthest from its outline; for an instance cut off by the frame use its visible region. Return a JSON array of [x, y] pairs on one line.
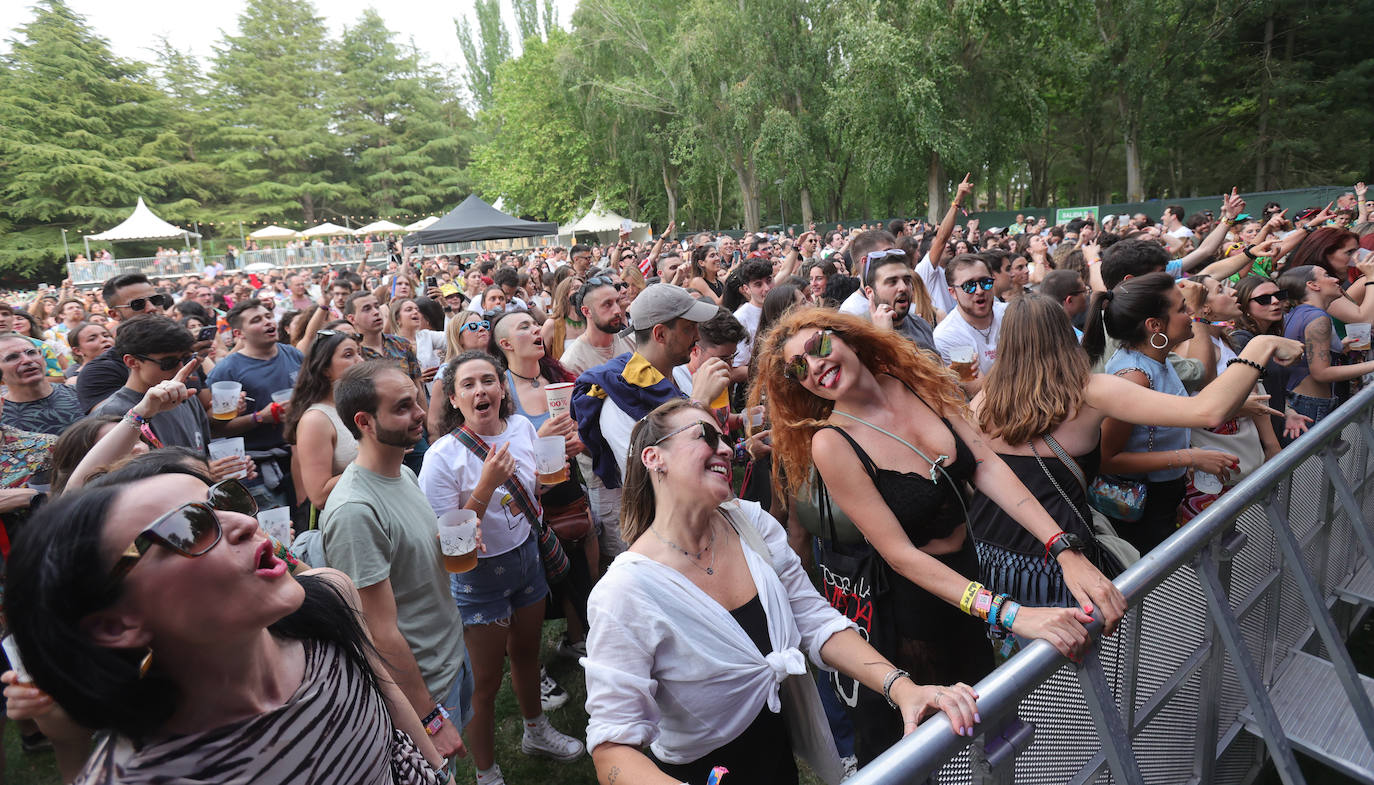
[[1316, 408]]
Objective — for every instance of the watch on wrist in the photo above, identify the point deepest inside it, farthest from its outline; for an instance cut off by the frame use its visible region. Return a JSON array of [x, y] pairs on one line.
[[1068, 541]]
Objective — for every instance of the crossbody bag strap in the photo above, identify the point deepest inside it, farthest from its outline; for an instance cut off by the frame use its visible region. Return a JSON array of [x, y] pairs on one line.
[[1056, 485], [1068, 461], [523, 502]]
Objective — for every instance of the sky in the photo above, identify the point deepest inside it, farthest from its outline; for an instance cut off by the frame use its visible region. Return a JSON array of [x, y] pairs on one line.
[[133, 26]]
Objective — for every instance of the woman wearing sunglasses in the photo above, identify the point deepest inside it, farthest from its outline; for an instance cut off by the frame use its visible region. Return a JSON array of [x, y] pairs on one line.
[[886, 429], [708, 617], [171, 627], [467, 331], [1262, 307], [322, 447]]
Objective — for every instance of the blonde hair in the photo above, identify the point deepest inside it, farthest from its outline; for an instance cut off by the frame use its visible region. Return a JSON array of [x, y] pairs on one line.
[[797, 414], [453, 333], [559, 313], [1041, 371], [637, 491]]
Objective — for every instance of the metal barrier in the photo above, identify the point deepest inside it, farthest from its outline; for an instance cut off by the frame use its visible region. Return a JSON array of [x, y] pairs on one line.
[[1214, 665]]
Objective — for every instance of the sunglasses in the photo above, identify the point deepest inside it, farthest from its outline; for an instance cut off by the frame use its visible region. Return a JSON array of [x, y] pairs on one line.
[[475, 326], [1268, 299], [166, 363], [707, 434], [970, 287], [140, 304], [329, 333], [874, 256], [190, 530], [602, 280], [818, 345]]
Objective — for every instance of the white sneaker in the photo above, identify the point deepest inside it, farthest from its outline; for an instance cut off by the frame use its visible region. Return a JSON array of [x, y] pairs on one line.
[[495, 778], [551, 696], [546, 741]]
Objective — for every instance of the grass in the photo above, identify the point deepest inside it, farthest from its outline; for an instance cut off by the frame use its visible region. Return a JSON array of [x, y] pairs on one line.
[[40, 769]]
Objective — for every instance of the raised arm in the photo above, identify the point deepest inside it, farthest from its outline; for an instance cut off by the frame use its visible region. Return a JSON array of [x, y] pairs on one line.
[[942, 235], [1231, 206]]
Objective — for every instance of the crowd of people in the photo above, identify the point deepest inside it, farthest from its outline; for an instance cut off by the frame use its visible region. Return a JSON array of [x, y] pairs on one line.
[[811, 488]]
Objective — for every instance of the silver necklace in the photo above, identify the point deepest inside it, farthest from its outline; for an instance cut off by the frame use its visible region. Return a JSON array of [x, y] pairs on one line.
[[987, 334], [711, 569]]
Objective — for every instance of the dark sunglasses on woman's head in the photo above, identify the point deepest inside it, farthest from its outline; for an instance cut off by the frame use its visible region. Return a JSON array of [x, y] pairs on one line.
[[818, 345], [166, 363], [190, 530], [1267, 299], [475, 326], [140, 304], [970, 287], [708, 434]]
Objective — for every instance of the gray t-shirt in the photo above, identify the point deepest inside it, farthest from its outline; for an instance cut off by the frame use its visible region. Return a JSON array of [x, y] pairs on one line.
[[377, 528], [185, 426]]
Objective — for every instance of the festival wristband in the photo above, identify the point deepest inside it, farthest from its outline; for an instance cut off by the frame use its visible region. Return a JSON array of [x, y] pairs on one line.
[[1009, 614], [435, 719], [970, 593], [982, 604]]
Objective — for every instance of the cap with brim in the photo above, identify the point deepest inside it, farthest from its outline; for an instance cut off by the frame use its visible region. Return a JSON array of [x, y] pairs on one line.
[[664, 302]]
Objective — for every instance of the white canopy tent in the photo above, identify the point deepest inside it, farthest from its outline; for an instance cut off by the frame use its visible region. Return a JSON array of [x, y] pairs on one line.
[[326, 229], [140, 226], [273, 232], [423, 223], [606, 225], [378, 226]]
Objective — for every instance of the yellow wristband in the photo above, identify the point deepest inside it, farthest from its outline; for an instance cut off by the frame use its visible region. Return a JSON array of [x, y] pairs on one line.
[[970, 592]]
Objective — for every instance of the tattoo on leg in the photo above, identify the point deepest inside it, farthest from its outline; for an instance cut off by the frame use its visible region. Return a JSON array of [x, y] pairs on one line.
[[612, 775]]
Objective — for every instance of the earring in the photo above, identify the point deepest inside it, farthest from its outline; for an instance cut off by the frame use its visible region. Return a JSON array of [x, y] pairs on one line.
[[1159, 335], [146, 664]]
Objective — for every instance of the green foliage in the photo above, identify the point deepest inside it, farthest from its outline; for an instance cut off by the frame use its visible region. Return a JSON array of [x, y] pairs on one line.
[[483, 49]]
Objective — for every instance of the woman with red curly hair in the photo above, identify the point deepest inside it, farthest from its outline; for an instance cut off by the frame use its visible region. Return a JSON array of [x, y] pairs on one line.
[[888, 432]]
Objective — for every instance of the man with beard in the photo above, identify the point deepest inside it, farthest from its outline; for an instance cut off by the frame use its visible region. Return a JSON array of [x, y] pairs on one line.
[[976, 320], [888, 282], [263, 366], [601, 308], [610, 398], [378, 527]]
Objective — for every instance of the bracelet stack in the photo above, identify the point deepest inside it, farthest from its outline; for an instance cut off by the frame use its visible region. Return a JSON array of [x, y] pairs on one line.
[[998, 611], [891, 678]]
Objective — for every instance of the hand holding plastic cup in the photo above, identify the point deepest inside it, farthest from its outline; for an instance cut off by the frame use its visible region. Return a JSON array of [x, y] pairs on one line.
[[277, 523], [224, 400], [550, 460], [458, 539], [224, 448], [1360, 332], [282, 396], [961, 359], [560, 398]]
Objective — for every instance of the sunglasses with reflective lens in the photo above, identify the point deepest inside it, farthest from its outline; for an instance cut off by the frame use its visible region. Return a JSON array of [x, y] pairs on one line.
[[475, 326], [818, 345], [1267, 299], [190, 530], [707, 434], [166, 363], [970, 287], [139, 305]]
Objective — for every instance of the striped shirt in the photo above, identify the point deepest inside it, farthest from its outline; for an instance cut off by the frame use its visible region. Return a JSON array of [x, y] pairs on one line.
[[333, 729]]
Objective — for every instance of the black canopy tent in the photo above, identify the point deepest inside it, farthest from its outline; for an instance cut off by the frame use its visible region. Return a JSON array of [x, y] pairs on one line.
[[474, 220]]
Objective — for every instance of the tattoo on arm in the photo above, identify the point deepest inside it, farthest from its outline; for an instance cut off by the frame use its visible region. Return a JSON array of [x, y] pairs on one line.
[[1317, 340], [612, 775]]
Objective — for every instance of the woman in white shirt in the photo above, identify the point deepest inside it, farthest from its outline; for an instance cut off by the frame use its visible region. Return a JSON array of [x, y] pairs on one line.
[[693, 629], [502, 598]]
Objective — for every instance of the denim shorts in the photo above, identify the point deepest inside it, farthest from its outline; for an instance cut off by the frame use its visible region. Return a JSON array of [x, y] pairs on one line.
[[1316, 408], [458, 701], [500, 585]]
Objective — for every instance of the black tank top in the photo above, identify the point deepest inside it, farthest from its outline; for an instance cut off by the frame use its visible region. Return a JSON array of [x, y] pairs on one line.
[[927, 510]]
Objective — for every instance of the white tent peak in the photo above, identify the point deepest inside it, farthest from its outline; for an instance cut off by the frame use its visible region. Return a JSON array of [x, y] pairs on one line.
[[423, 223], [378, 226], [325, 229], [273, 232], [142, 225], [599, 220]]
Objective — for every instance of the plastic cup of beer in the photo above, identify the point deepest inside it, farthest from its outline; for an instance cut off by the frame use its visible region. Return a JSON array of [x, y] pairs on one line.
[[458, 539], [961, 359], [1360, 332], [223, 448], [550, 462], [282, 396], [560, 398], [224, 400], [277, 523]]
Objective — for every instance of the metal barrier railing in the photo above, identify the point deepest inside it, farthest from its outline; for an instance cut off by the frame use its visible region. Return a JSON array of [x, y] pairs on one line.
[[1216, 612]]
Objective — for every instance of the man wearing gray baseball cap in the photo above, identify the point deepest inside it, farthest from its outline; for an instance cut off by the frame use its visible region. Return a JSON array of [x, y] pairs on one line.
[[610, 398]]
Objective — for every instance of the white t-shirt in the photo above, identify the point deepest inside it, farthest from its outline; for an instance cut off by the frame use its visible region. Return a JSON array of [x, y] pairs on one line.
[[578, 355], [954, 331], [667, 666], [451, 472], [856, 304], [1182, 232], [936, 285], [749, 316], [430, 348]]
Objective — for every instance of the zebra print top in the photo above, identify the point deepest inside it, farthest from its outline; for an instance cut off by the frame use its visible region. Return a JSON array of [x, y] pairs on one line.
[[333, 729]]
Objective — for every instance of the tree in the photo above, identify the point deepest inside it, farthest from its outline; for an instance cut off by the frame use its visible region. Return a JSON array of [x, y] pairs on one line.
[[484, 52], [272, 81], [75, 122]]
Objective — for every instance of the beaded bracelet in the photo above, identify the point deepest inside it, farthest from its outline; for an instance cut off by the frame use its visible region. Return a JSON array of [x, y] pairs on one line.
[[997, 605], [1262, 372]]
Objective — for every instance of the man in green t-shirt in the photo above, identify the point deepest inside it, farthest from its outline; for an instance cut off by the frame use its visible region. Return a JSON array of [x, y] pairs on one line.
[[378, 528]]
